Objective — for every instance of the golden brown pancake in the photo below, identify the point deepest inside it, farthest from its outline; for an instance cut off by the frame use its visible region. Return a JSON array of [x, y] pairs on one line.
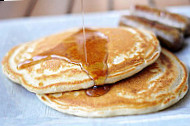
[[157, 87], [129, 51]]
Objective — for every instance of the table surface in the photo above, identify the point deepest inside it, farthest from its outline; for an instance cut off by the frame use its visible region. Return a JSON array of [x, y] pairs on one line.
[[20, 107]]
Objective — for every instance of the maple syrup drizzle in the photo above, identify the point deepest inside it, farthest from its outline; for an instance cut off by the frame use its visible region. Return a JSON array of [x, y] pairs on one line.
[[95, 90], [83, 28], [87, 48], [71, 50]]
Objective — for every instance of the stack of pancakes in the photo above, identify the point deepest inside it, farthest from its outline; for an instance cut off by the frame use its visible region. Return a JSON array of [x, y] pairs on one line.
[[144, 79]]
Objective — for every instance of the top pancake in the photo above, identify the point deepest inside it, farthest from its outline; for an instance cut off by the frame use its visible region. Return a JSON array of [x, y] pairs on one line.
[[129, 51]]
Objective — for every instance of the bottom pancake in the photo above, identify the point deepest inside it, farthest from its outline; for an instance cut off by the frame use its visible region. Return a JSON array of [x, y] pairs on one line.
[[156, 87]]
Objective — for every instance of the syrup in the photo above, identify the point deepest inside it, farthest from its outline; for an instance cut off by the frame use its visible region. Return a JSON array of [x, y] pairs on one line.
[[87, 48], [71, 50], [97, 91]]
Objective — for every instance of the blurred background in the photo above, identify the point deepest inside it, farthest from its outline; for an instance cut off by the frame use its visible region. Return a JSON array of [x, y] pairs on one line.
[[27, 8]]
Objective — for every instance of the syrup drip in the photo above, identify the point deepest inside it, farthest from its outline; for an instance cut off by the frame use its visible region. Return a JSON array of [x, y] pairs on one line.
[[97, 91]]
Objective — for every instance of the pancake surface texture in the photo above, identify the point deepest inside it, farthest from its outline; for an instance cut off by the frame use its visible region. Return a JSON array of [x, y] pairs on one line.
[[129, 51], [156, 87]]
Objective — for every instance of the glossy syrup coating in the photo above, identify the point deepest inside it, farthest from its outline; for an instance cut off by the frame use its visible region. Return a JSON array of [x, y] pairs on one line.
[[73, 50]]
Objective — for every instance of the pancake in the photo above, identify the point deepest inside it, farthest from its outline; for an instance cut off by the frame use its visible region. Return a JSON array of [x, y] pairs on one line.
[[157, 87], [129, 51]]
